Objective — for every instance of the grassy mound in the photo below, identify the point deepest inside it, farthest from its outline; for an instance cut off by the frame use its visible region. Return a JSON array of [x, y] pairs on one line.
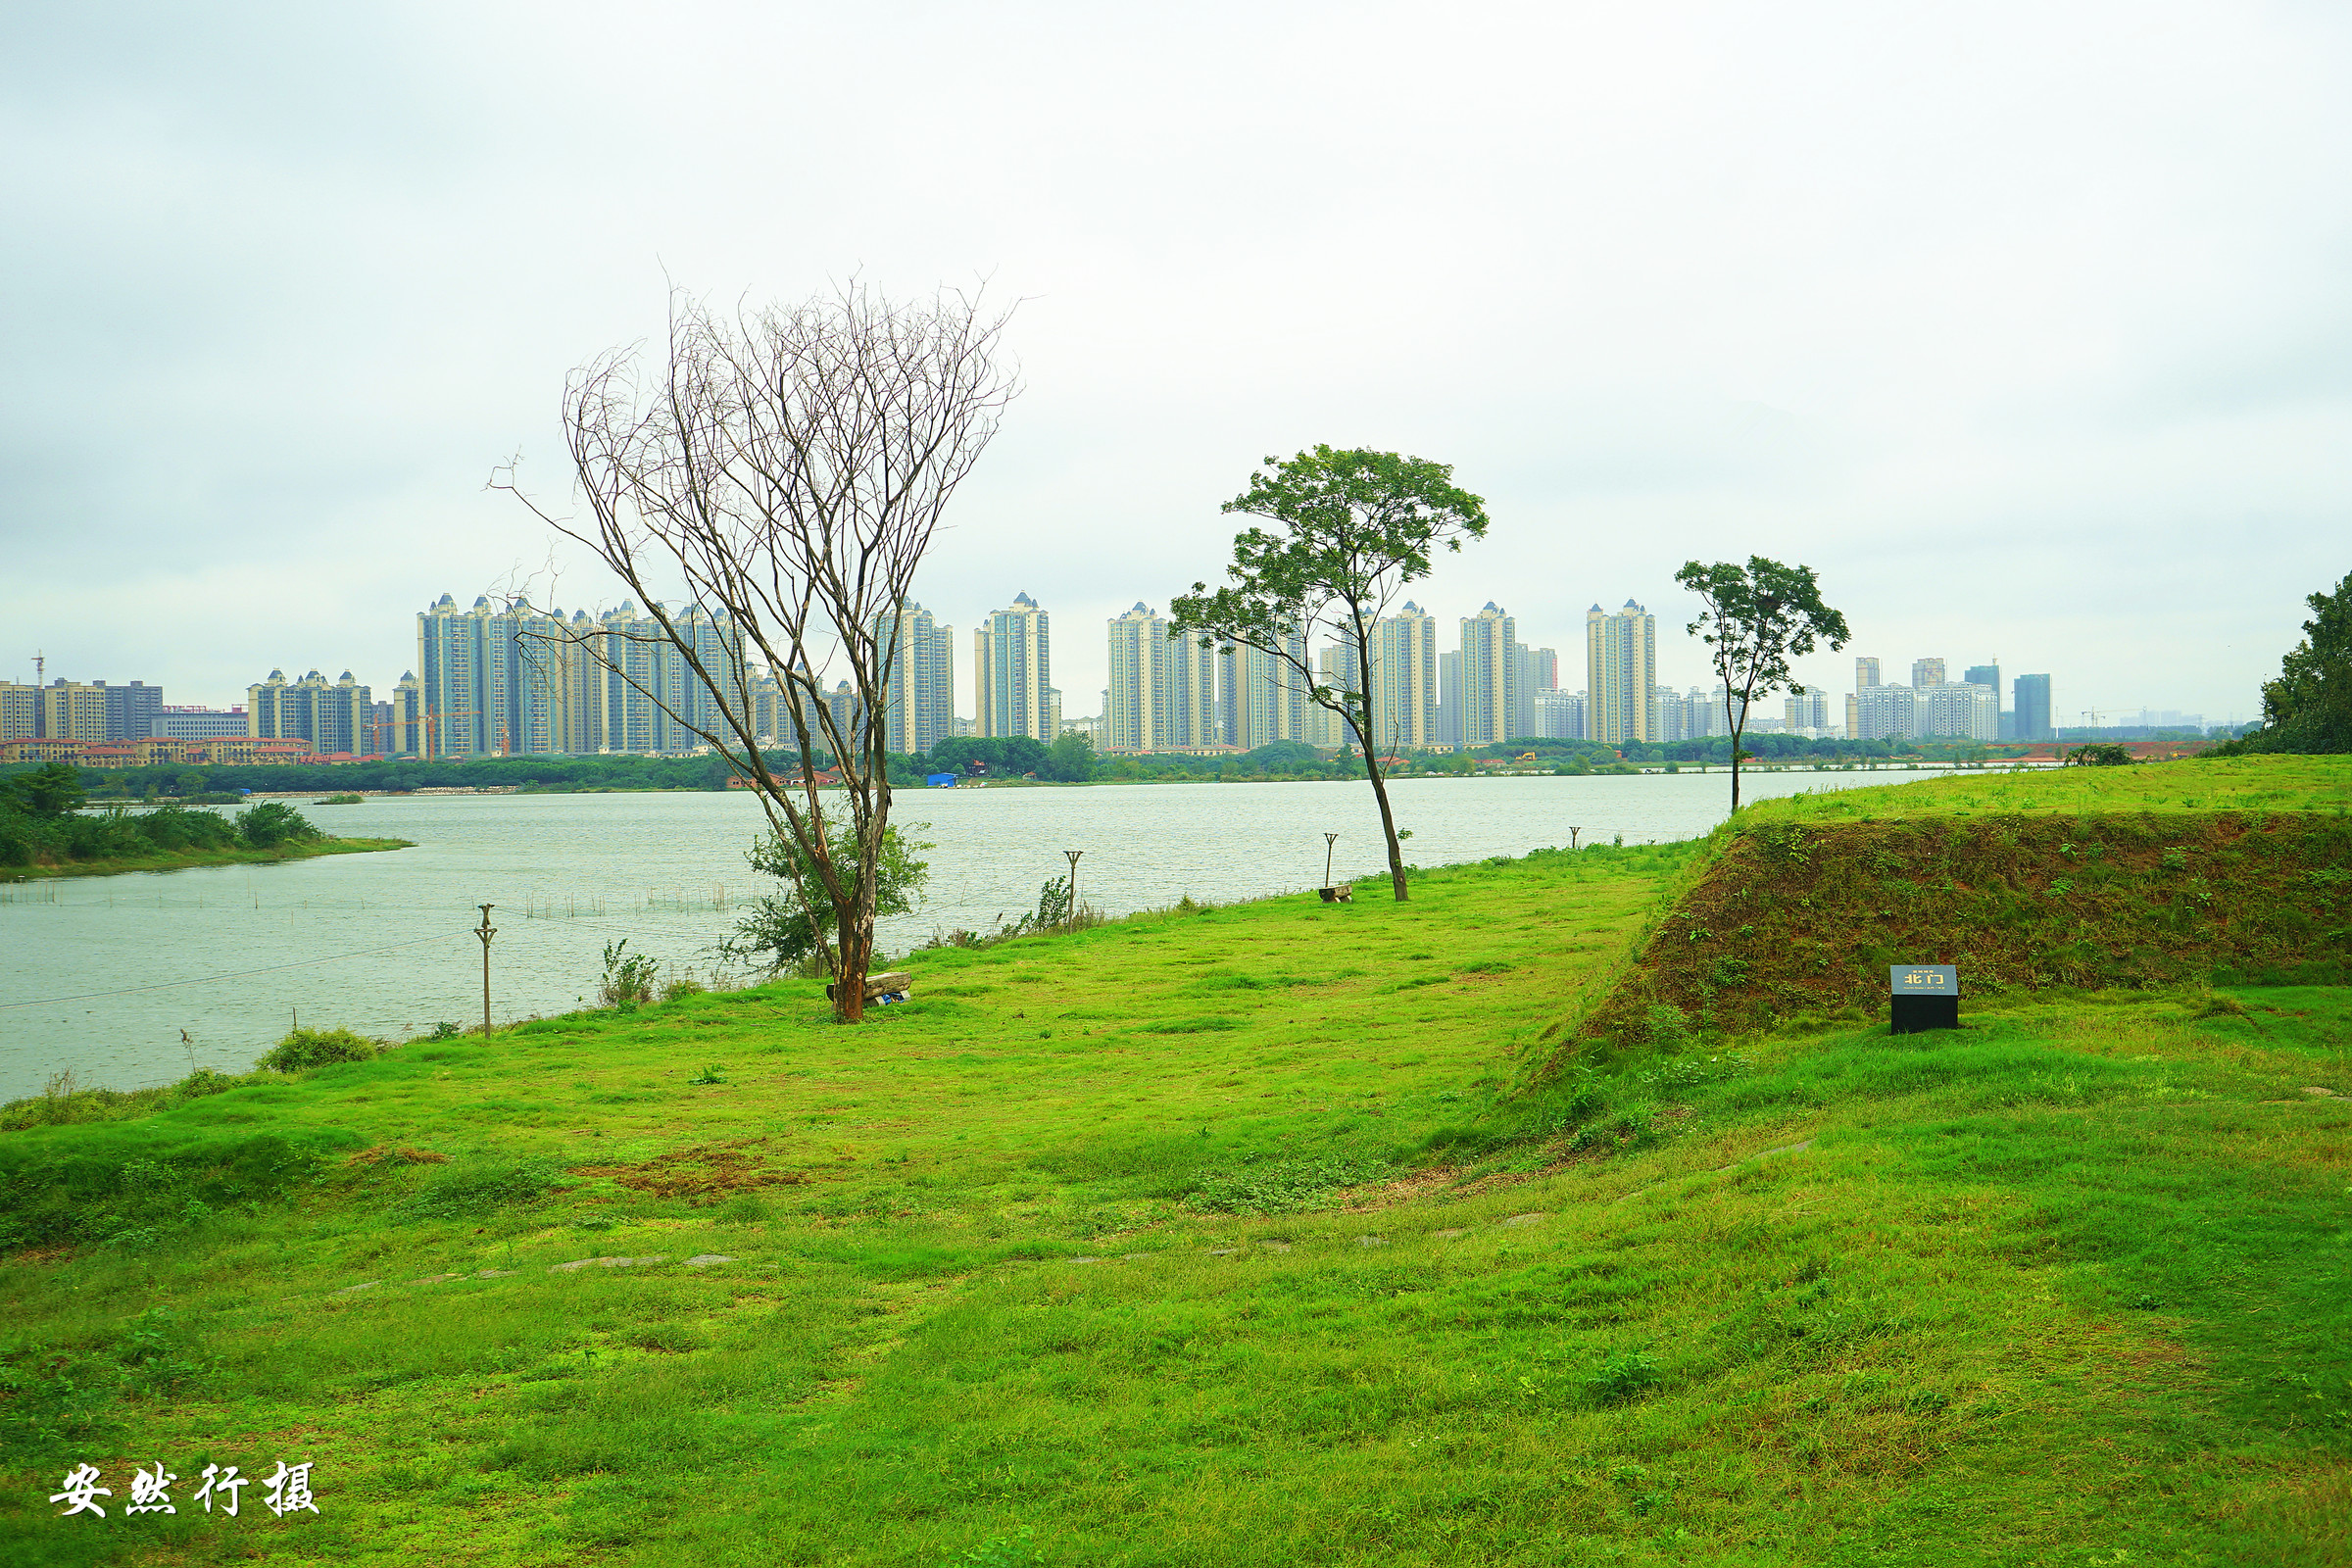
[[2088, 878], [1787, 920]]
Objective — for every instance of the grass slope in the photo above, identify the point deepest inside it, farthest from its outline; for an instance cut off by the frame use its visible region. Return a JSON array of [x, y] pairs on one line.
[[183, 859], [2090, 878], [1224, 1239]]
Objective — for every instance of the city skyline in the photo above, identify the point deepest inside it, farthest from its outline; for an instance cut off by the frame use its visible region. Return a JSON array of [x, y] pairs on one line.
[[489, 692]]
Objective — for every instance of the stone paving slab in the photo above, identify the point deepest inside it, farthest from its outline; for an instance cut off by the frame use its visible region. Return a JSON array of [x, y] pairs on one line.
[[606, 1262]]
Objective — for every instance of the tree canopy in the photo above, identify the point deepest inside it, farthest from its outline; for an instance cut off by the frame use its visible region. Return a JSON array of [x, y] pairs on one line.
[[1349, 529], [2309, 708]]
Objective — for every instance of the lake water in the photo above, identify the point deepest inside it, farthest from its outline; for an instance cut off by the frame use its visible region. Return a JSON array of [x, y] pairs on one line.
[[105, 974]]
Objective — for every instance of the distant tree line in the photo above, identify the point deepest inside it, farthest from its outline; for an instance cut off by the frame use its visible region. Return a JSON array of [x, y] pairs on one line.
[[1070, 760]]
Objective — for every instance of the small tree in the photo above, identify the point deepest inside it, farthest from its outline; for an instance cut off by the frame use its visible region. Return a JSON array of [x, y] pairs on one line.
[[1351, 529], [788, 470], [1757, 618], [54, 789]]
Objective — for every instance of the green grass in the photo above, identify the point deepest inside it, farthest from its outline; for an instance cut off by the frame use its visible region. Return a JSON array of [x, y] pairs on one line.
[[1228, 1238], [182, 860], [2193, 784]]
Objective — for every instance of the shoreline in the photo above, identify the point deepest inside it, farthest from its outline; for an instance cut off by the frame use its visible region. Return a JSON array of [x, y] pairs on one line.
[[197, 858]]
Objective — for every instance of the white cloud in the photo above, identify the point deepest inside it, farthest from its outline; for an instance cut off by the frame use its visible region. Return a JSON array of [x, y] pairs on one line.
[[2023, 325]]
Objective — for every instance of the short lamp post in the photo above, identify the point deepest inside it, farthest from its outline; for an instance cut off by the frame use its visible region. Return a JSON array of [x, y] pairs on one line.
[[1071, 923], [1330, 842], [486, 931]]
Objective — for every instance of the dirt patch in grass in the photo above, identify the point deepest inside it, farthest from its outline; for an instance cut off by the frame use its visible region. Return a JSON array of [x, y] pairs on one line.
[[386, 1155], [704, 1173]]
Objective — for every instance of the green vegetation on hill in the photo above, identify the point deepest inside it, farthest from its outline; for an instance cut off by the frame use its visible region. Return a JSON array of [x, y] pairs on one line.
[[1225, 1237], [45, 832]]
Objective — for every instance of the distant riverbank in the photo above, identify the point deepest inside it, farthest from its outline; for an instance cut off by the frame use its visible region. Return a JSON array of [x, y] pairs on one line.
[[186, 859]]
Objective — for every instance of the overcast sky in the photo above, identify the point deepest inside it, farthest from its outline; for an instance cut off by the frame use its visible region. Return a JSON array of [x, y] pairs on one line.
[[2027, 326]]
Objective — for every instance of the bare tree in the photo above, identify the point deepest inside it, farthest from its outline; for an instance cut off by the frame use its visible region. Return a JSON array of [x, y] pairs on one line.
[[787, 471]]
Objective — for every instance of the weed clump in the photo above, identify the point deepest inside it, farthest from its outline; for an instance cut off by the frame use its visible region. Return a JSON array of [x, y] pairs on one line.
[[1623, 1379], [306, 1048], [482, 1187]]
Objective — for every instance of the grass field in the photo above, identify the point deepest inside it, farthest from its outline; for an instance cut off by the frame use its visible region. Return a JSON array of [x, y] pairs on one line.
[[1228, 1238]]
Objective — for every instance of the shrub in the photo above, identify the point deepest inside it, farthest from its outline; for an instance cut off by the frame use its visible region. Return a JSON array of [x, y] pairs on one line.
[[273, 822], [629, 976], [318, 1048], [684, 986], [1623, 1379]]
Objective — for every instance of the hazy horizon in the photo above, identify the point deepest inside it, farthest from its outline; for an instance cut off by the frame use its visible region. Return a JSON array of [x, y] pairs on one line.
[[2025, 327]]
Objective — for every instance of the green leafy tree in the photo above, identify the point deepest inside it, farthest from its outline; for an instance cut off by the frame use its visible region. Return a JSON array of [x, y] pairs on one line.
[[1070, 760], [1347, 531], [2309, 707], [273, 822], [1020, 754], [1756, 619], [53, 789], [785, 930]]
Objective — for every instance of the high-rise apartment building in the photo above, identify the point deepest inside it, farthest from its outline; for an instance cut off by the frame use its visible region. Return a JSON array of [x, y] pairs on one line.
[[1621, 671], [406, 736], [1264, 696], [1135, 705], [1450, 698], [20, 711], [919, 662], [2032, 698], [90, 712], [1490, 673], [1192, 667], [1866, 676], [520, 681], [1012, 674], [1807, 709], [335, 718], [1405, 680], [1335, 670], [132, 710], [1990, 676], [1560, 715], [1926, 672], [1885, 712], [1959, 710]]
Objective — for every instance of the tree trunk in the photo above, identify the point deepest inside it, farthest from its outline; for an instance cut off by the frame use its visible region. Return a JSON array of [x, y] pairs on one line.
[[1388, 825], [1735, 734], [849, 981], [1365, 738]]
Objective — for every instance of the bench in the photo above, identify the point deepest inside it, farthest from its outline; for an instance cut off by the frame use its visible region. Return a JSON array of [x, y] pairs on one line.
[[897, 983]]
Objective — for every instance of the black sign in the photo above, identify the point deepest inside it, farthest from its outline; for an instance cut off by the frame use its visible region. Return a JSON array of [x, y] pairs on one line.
[[1923, 980]]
